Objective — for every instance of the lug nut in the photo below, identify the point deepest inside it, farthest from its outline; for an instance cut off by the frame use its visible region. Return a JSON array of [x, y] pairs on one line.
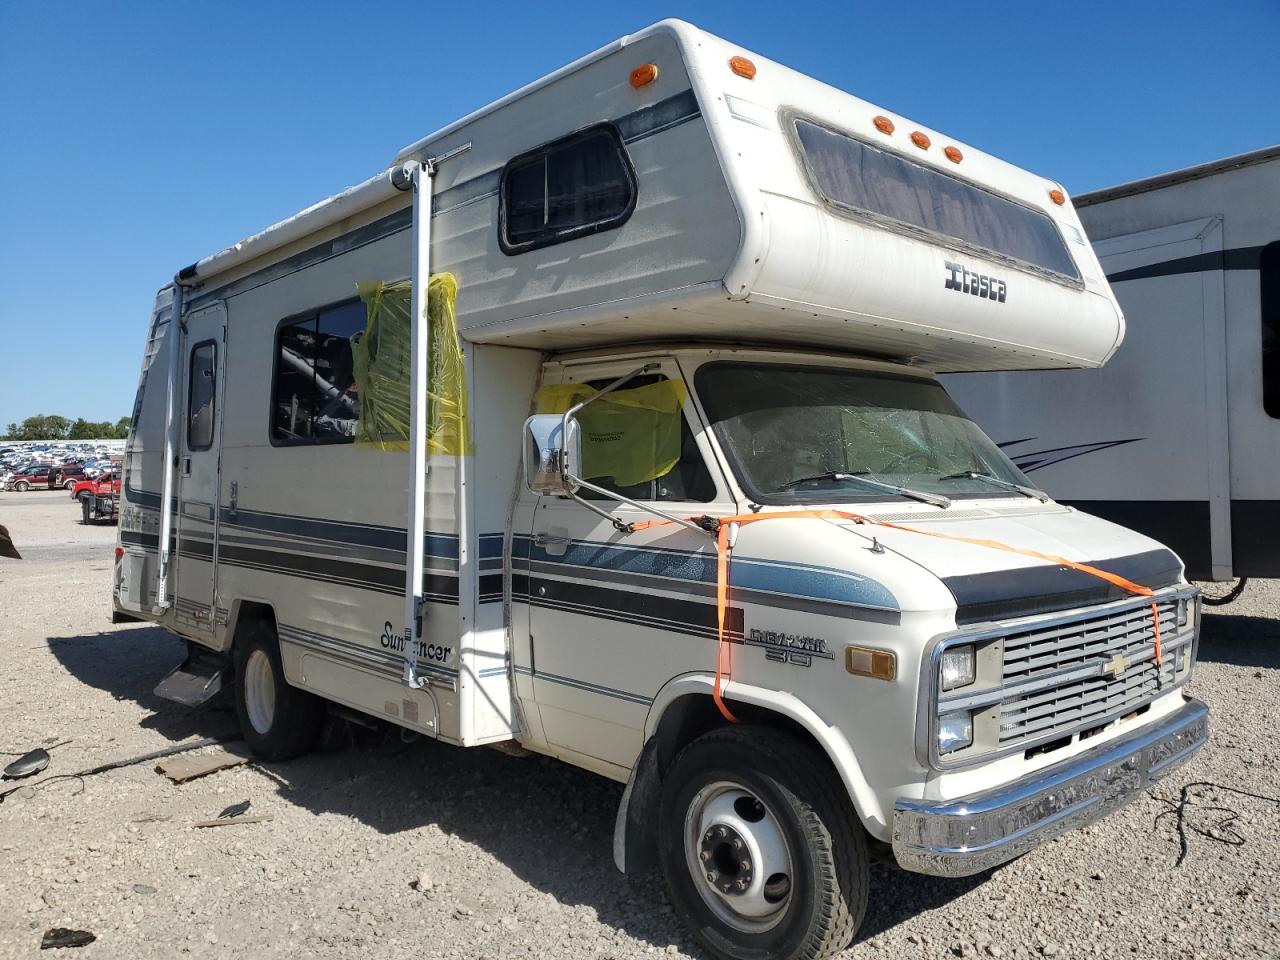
[[737, 844], [712, 876], [742, 884], [705, 855]]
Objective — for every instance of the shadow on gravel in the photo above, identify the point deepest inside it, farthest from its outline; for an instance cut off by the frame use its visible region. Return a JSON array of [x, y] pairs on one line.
[[549, 823], [127, 664], [1240, 641]]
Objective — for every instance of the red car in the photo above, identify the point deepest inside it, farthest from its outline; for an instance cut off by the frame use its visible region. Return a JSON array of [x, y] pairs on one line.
[[97, 497], [31, 475]]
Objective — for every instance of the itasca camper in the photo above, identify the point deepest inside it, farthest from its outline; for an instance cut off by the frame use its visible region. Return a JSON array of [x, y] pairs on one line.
[[604, 421], [1178, 436]]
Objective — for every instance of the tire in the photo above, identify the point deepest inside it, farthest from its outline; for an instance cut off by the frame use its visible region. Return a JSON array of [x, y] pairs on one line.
[[758, 786], [68, 484], [279, 721], [22, 486], [86, 511]]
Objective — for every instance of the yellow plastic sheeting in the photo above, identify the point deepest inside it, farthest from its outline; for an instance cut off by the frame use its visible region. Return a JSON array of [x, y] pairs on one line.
[[631, 435], [383, 357]]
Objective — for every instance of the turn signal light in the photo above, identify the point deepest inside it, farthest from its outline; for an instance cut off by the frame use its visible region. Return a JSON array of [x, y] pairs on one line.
[[952, 154], [119, 553], [742, 67], [883, 124], [1058, 197], [920, 140], [644, 75], [870, 662]]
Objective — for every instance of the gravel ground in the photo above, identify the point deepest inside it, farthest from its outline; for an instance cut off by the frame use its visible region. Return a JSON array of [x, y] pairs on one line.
[[385, 849]]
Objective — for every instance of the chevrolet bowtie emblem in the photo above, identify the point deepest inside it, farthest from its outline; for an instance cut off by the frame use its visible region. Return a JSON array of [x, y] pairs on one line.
[[1116, 666]]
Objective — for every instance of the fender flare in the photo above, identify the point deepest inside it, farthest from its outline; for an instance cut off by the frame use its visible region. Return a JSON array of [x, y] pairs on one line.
[[634, 827]]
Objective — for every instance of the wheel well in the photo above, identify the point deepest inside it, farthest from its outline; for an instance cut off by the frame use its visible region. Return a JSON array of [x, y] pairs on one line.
[[694, 714], [252, 613]]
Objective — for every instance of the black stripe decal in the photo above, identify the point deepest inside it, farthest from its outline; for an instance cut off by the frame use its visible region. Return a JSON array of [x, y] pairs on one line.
[[631, 606], [1241, 258], [1027, 591]]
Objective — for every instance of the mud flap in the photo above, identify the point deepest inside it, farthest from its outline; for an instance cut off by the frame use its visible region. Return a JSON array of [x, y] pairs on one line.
[[635, 832], [197, 680]]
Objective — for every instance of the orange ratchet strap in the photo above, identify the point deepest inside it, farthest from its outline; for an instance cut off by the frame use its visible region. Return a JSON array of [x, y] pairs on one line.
[[724, 650]]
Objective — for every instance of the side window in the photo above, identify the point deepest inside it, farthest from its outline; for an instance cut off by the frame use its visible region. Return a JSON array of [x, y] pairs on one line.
[[314, 397], [569, 188], [687, 480], [202, 388], [1269, 280]]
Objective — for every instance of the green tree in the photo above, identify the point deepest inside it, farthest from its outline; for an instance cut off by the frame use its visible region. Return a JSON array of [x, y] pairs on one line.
[[122, 428]]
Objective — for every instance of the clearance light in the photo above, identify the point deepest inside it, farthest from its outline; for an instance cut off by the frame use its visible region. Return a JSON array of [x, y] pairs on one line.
[[869, 662], [883, 124], [1058, 197], [119, 552], [952, 154], [742, 67], [920, 140], [644, 75]]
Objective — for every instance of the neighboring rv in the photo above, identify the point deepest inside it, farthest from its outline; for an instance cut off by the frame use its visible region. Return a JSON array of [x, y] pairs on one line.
[[686, 505], [1179, 435]]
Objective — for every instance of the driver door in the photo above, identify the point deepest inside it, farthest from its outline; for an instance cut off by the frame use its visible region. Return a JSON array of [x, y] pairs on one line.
[[613, 616]]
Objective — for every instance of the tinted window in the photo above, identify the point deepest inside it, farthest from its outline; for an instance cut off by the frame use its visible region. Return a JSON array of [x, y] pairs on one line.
[[201, 395], [1269, 278], [575, 186], [860, 178], [315, 398]]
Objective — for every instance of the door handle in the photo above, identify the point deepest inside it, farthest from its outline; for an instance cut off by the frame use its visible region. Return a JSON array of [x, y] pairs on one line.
[[554, 543], [186, 466]]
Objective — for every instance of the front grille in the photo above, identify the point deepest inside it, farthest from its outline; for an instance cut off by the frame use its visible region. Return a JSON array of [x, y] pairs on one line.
[[1043, 680], [1078, 647]]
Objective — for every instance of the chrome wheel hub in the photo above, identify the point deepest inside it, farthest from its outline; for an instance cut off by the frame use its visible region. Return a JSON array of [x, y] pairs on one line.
[[738, 856]]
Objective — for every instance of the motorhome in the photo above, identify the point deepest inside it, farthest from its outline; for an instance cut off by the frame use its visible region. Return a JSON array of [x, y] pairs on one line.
[[1177, 435], [604, 423]]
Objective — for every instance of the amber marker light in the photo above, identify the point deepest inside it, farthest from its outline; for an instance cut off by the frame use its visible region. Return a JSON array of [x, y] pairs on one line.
[[870, 662], [920, 140], [742, 67], [1057, 196], [883, 124], [952, 154], [644, 75]]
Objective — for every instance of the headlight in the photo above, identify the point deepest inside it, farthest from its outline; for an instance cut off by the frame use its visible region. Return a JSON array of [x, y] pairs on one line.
[[955, 730], [957, 667]]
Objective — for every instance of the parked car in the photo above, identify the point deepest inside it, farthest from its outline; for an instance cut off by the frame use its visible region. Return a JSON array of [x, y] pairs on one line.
[[97, 498], [66, 475], [28, 476]]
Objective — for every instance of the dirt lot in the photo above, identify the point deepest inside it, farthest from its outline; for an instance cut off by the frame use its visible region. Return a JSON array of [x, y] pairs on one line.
[[513, 855]]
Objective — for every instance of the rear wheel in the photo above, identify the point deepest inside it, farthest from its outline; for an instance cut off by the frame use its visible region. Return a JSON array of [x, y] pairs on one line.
[[760, 847], [68, 484], [279, 721]]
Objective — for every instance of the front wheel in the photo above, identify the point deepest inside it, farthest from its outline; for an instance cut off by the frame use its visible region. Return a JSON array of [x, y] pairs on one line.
[[22, 486], [760, 847], [279, 721]]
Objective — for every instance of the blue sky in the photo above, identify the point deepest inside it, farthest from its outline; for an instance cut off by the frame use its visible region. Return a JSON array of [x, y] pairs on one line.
[[138, 137]]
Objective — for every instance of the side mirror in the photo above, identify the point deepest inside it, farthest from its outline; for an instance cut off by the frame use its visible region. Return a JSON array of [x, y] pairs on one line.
[[551, 459]]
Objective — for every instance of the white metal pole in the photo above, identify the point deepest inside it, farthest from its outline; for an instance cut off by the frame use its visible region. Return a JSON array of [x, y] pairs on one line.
[[419, 379], [172, 386]]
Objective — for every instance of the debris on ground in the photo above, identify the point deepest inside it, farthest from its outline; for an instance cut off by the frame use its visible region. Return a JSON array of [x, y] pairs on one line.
[[182, 769], [58, 937], [7, 549], [29, 764], [229, 821]]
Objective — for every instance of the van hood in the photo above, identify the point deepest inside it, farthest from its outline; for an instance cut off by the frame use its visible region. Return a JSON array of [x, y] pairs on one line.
[[989, 583]]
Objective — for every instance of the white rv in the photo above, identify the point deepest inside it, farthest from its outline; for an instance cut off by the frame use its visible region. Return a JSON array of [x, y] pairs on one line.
[[672, 492], [1177, 436]]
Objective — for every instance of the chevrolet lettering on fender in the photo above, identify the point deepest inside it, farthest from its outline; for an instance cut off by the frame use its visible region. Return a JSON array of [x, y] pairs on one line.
[[963, 280]]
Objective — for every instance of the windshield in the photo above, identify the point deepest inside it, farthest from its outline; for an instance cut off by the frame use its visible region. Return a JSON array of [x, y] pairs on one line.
[[780, 424]]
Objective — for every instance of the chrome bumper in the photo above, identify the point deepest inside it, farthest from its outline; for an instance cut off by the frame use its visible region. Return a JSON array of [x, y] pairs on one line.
[[957, 838]]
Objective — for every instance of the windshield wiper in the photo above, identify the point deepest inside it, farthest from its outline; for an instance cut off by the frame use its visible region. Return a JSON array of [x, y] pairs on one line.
[[997, 482], [860, 477]]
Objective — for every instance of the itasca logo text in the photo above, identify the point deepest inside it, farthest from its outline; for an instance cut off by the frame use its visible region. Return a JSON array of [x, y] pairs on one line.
[[963, 280]]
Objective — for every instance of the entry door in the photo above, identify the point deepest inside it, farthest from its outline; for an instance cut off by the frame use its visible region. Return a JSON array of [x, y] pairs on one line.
[[199, 460], [614, 616]]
